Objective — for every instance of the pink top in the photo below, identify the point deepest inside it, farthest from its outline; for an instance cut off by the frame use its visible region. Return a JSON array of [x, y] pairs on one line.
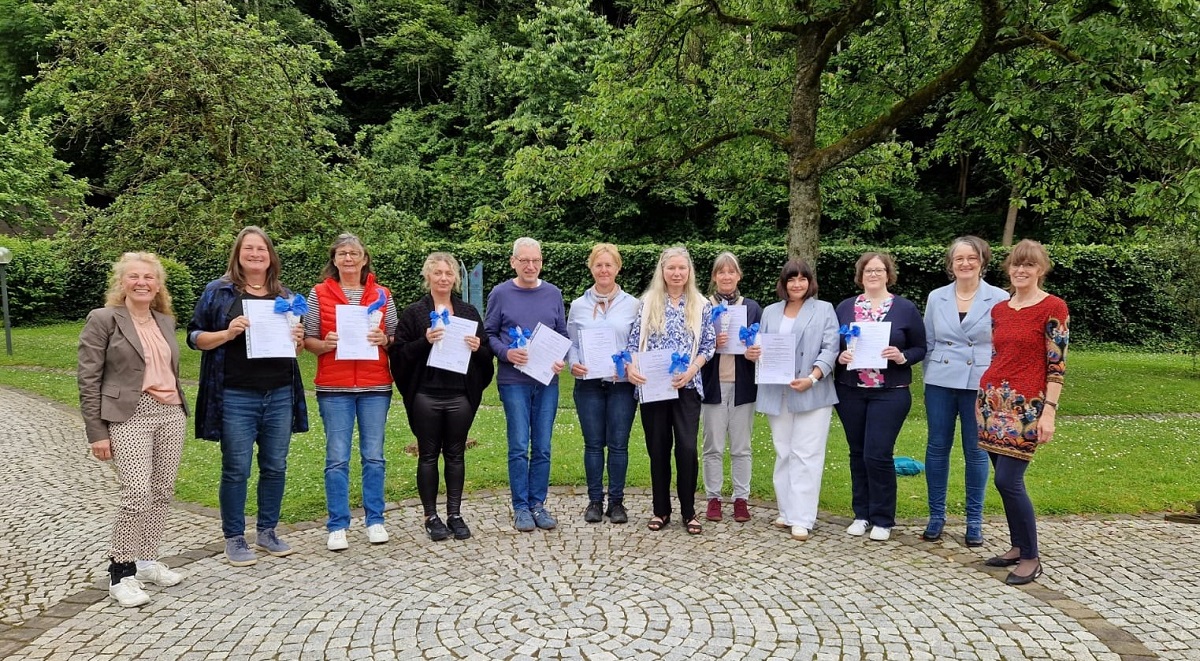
[[159, 381]]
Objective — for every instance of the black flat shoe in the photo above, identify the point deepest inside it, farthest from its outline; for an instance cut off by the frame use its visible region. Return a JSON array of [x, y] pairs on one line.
[[1016, 579], [1001, 561]]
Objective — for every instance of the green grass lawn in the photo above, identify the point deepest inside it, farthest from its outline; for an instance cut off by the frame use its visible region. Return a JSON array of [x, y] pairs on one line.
[[1095, 464]]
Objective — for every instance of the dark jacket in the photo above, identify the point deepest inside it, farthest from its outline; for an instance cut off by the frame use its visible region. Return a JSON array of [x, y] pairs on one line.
[[908, 335], [212, 315], [409, 353], [745, 391]]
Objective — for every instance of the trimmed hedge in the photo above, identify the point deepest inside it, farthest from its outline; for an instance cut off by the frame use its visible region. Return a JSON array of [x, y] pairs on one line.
[[1117, 293]]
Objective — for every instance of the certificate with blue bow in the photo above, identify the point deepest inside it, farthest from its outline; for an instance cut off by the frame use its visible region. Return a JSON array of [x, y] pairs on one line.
[[655, 366]]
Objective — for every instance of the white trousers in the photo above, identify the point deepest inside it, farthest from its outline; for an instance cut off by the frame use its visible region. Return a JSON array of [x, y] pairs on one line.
[[799, 462], [735, 423]]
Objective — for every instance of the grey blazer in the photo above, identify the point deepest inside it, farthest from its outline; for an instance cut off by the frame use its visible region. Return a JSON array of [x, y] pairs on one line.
[[958, 353], [112, 366], [816, 334]]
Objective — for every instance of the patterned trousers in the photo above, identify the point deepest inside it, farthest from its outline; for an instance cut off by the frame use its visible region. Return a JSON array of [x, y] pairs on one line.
[[146, 449]]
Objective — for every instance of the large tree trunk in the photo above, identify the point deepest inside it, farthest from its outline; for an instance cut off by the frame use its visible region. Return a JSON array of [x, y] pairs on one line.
[[1010, 219], [804, 183]]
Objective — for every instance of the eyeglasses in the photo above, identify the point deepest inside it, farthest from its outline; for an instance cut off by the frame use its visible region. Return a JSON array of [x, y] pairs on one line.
[[874, 271], [971, 259], [525, 261], [353, 254]]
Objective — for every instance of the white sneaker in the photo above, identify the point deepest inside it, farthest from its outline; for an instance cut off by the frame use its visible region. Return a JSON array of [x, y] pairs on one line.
[[129, 593], [780, 523], [799, 533], [337, 541], [858, 528], [377, 534], [159, 574], [881, 534]]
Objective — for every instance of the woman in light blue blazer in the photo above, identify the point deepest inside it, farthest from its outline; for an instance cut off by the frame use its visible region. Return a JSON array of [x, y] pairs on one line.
[[958, 336], [799, 413]]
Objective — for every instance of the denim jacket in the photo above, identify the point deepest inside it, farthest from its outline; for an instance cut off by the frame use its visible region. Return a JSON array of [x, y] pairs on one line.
[[212, 315]]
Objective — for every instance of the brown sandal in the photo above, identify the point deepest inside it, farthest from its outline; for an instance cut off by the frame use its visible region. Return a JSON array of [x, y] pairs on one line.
[[659, 522], [693, 527]]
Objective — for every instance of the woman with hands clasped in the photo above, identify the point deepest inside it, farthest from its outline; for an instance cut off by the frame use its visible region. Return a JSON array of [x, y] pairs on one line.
[[351, 390], [605, 406], [674, 317], [440, 404], [799, 412], [873, 401], [133, 413], [1019, 394]]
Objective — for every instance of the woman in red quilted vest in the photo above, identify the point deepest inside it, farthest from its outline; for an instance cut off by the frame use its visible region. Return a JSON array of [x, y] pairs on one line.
[[352, 383]]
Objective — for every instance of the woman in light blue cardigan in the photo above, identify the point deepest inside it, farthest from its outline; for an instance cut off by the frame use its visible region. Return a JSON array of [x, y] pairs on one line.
[[958, 338], [799, 413]]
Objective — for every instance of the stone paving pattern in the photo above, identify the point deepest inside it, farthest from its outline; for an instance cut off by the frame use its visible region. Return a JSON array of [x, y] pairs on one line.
[[1118, 588]]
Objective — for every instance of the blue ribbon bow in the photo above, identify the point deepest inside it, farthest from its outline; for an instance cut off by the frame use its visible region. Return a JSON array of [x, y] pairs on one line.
[[520, 337], [297, 306], [620, 359], [443, 316], [748, 335], [717, 311], [679, 363], [849, 332], [380, 301]]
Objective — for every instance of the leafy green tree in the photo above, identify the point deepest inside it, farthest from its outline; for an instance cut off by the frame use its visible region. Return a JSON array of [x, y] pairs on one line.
[[772, 104], [34, 185], [210, 121]]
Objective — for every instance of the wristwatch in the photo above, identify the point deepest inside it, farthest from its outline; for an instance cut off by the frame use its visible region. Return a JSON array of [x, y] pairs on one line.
[[814, 379]]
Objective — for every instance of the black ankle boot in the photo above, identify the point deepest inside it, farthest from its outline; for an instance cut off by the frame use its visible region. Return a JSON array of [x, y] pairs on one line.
[[120, 570]]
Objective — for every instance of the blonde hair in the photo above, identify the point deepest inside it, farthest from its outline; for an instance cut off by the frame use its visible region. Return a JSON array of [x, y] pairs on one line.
[[654, 300], [116, 293], [432, 260], [601, 248]]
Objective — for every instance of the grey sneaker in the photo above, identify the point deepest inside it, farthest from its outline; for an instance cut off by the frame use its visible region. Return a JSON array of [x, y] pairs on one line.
[[543, 519], [523, 521], [268, 541], [238, 553], [616, 512]]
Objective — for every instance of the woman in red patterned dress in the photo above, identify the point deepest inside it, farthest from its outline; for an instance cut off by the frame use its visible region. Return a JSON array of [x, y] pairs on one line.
[[1018, 396]]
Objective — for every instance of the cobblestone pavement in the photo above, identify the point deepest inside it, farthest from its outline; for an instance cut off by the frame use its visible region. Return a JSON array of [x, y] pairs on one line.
[[1120, 588]]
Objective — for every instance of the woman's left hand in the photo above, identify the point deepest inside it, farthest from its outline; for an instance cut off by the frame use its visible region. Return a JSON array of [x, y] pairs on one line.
[[558, 366], [800, 385], [682, 379], [102, 450], [1045, 425], [298, 336], [895, 355], [472, 342], [376, 337]]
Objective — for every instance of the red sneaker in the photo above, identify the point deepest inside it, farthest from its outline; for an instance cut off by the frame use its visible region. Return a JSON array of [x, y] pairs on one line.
[[741, 512], [714, 510]]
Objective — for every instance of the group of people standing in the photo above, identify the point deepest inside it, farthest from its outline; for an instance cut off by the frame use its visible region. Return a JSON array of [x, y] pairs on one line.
[[993, 365]]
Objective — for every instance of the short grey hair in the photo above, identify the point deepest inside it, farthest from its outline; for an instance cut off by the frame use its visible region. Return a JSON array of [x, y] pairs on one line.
[[525, 242]]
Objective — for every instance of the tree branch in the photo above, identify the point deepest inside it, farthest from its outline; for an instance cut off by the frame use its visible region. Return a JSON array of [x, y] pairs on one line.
[[708, 145], [714, 8]]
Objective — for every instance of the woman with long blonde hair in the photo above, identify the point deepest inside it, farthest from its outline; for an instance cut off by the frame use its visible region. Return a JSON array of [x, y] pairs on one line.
[[676, 317]]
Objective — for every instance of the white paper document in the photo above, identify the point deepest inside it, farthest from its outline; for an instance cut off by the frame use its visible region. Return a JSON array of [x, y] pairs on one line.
[[545, 348], [269, 334], [452, 353], [352, 329], [597, 347], [777, 364], [873, 338], [731, 322], [656, 367]]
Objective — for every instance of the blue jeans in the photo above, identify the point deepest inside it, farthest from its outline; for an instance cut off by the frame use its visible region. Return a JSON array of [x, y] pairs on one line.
[[338, 412], [943, 408], [529, 411], [872, 418], [606, 410], [249, 417]]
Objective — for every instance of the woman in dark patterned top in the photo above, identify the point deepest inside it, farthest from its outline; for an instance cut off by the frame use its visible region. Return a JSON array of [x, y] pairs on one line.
[[1018, 396]]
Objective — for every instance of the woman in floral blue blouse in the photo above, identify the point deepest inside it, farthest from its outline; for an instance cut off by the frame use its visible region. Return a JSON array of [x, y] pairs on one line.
[[674, 316]]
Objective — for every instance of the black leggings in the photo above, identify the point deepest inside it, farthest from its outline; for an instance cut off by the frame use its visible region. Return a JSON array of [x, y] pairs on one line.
[[441, 425]]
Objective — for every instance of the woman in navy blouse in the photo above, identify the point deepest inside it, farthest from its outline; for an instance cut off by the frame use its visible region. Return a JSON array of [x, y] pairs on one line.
[[872, 403]]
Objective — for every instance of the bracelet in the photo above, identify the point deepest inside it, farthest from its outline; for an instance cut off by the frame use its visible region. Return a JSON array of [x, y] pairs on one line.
[[1053, 405], [813, 378]]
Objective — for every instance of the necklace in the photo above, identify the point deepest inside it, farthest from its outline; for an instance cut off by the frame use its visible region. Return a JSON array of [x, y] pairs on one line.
[[965, 298], [255, 287], [141, 320]]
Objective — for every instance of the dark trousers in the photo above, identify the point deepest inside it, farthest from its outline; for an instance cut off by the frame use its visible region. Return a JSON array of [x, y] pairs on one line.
[[872, 418], [441, 425], [673, 425], [1018, 509]]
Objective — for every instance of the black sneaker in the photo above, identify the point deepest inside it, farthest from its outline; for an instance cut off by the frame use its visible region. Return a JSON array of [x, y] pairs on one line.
[[594, 512], [616, 512], [459, 527], [436, 529]]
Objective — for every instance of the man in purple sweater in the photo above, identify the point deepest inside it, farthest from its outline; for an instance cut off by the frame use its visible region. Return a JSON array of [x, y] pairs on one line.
[[515, 306]]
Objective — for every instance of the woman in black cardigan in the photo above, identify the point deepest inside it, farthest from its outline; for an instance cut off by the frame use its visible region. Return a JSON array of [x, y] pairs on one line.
[[872, 403], [441, 404]]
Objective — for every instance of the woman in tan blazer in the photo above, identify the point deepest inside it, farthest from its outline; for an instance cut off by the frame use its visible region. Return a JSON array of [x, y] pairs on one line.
[[133, 412]]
